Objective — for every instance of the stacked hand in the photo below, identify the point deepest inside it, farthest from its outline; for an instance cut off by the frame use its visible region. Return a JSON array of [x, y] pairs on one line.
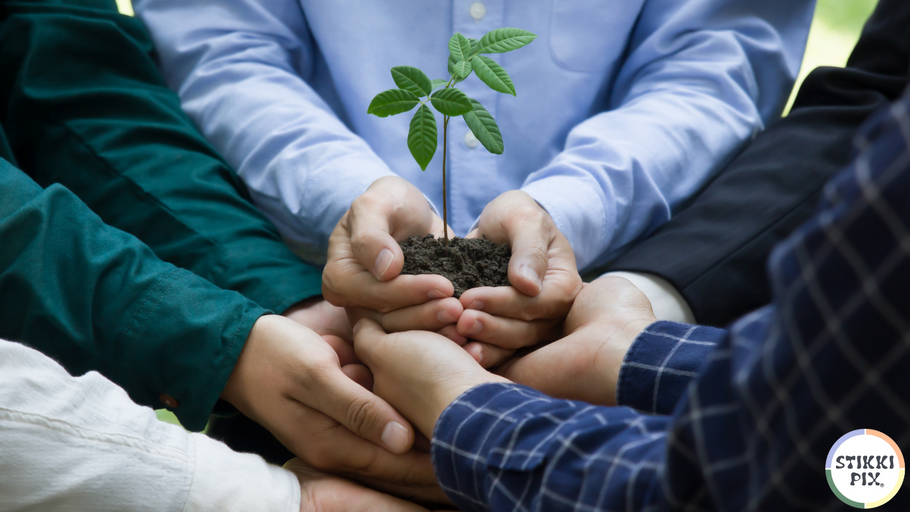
[[326, 493], [421, 373], [290, 380], [364, 262], [605, 320], [542, 273]]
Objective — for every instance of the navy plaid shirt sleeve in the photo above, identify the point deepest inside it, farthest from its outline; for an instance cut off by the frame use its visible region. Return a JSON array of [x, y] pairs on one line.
[[661, 362], [752, 430]]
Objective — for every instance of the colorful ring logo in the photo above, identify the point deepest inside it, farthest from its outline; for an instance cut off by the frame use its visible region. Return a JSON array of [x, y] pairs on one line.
[[865, 468]]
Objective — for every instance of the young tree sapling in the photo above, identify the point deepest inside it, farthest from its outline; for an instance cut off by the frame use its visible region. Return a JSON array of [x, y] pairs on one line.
[[415, 87]]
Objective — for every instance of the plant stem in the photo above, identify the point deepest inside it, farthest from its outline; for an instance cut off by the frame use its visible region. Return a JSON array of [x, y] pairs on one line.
[[445, 212]]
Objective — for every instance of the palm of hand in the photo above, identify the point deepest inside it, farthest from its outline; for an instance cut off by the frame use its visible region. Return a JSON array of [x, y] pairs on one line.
[[584, 365]]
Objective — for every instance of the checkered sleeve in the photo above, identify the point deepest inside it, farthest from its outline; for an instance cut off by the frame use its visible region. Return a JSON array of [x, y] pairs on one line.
[[661, 362], [508, 447]]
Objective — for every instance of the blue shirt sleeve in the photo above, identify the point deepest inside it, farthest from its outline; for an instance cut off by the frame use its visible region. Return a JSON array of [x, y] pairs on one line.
[[699, 80], [660, 364]]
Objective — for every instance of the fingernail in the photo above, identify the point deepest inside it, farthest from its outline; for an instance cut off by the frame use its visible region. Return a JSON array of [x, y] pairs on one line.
[[383, 262], [475, 329], [476, 305], [436, 294], [357, 327], [445, 317], [477, 354], [395, 436], [530, 275]]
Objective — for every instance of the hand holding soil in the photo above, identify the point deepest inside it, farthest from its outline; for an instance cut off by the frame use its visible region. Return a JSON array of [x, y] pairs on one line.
[[364, 261], [543, 275]]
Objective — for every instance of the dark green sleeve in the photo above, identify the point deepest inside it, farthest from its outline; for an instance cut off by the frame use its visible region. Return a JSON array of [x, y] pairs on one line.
[[95, 298], [84, 105]]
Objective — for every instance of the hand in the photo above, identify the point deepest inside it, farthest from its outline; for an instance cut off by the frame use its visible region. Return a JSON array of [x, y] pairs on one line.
[[328, 321], [290, 381], [420, 373], [543, 275], [606, 318], [326, 493], [364, 261]]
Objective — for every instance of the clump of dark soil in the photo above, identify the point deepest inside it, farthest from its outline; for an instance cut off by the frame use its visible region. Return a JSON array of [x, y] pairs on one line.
[[467, 262]]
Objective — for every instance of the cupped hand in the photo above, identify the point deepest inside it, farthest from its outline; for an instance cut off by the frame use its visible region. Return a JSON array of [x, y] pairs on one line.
[[543, 275], [418, 372], [364, 259], [321, 492], [290, 380], [604, 321]]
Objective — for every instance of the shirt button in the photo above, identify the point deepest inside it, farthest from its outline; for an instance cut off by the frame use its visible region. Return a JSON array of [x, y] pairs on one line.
[[168, 401], [470, 140], [478, 11]]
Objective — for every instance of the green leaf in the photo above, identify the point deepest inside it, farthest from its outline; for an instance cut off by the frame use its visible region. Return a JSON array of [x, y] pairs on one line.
[[493, 75], [451, 102], [391, 102], [422, 136], [452, 70], [473, 45], [504, 40], [412, 80], [435, 84], [459, 47], [484, 128]]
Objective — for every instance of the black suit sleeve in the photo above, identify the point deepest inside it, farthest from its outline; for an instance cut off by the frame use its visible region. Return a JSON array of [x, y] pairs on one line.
[[714, 251]]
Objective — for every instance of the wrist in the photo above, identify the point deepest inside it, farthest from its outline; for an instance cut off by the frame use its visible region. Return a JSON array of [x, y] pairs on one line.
[[609, 360], [448, 394], [237, 383]]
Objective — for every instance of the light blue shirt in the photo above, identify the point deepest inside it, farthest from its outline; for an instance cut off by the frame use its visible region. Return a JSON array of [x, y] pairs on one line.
[[624, 107]]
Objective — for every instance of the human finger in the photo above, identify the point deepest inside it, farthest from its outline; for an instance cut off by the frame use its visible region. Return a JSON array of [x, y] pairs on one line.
[[326, 493], [360, 289], [488, 355], [343, 349], [360, 411], [506, 332], [359, 374], [431, 316], [451, 331]]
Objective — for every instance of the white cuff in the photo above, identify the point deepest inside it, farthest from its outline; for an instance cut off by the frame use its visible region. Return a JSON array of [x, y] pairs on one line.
[[228, 481]]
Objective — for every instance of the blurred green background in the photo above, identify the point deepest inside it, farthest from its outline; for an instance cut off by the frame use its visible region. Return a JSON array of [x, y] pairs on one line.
[[835, 29]]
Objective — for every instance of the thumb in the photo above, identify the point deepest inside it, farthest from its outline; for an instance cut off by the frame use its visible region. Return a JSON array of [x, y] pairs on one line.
[[371, 242], [528, 264], [367, 334], [363, 413]]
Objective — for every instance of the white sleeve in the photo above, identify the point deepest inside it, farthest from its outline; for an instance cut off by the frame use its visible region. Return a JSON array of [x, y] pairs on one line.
[[80, 444]]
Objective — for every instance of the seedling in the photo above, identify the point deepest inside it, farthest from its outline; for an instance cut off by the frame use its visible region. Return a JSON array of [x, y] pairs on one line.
[[465, 56]]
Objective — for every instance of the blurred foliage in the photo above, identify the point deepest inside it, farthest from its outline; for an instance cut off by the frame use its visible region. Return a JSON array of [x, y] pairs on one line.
[[844, 15], [835, 29]]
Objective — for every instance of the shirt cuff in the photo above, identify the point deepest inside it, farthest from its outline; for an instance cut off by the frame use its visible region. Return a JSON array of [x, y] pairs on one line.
[[228, 481], [666, 301], [661, 362], [188, 377]]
